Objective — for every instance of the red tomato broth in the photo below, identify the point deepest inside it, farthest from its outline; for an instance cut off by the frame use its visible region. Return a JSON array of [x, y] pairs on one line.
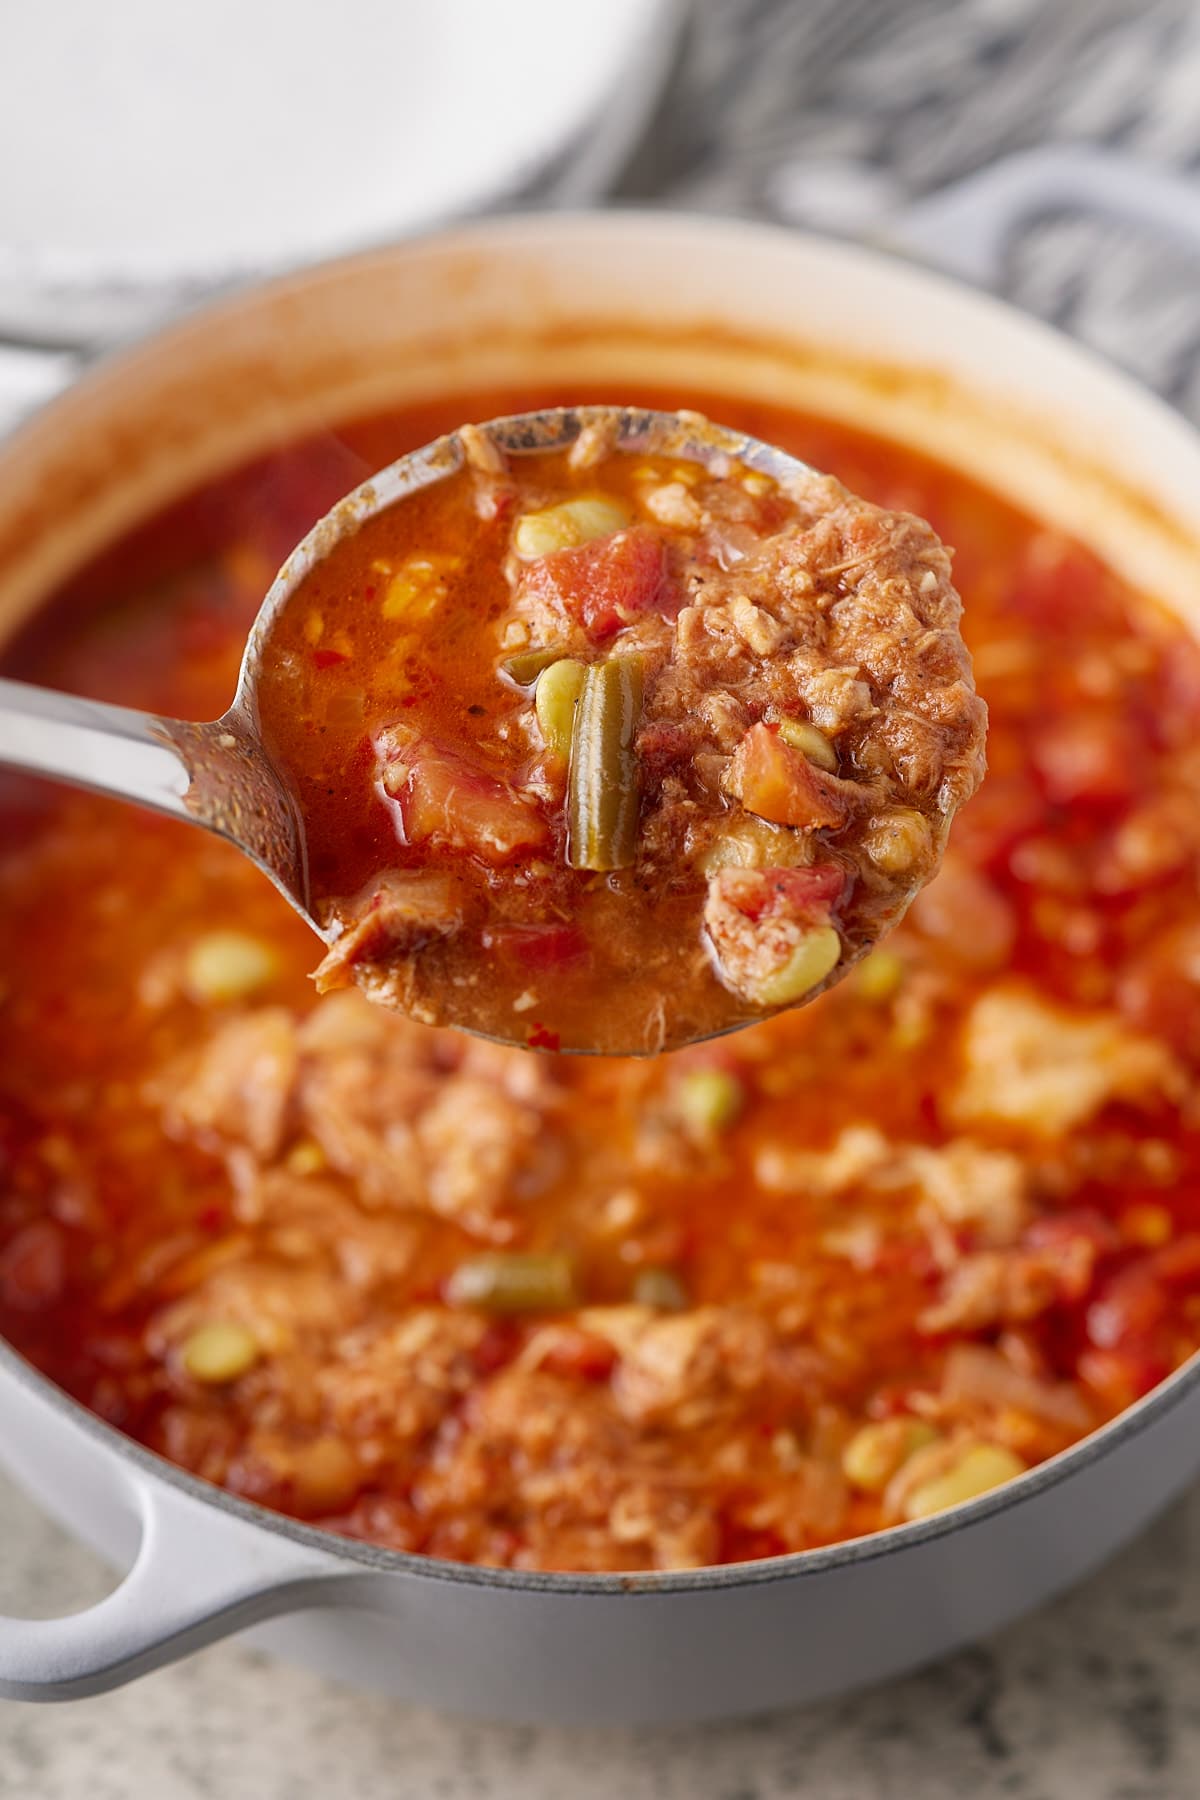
[[108, 1219]]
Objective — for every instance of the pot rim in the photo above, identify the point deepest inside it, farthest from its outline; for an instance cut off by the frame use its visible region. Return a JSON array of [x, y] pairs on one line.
[[149, 1464]]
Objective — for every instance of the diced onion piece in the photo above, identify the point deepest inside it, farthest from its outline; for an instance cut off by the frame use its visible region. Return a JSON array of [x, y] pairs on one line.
[[228, 965], [815, 957], [555, 699], [802, 736], [980, 1468], [567, 525], [878, 1450], [513, 1281], [219, 1352], [602, 793]]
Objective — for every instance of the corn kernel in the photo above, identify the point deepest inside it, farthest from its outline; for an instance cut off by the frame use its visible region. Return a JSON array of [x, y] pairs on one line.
[[566, 526], [876, 1451], [228, 965], [757, 485], [815, 957], [980, 1468], [314, 625], [218, 1352], [879, 976], [708, 1100], [810, 742]]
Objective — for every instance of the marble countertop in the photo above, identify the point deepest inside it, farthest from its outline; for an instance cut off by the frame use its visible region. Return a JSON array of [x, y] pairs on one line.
[[1093, 1698], [782, 109]]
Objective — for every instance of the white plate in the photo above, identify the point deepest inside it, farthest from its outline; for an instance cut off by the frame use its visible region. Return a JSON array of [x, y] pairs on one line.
[[149, 148]]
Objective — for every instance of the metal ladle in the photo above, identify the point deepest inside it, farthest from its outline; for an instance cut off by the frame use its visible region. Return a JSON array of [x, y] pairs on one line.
[[218, 775]]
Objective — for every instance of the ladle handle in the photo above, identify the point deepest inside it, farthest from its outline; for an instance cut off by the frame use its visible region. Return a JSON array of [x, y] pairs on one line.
[[109, 749], [216, 775]]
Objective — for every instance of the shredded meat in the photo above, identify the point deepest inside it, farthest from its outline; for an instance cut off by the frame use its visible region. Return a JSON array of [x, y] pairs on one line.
[[380, 929], [962, 1184], [1002, 1287], [392, 1387], [1039, 1066], [240, 1089], [399, 1112], [689, 1370], [572, 1481]]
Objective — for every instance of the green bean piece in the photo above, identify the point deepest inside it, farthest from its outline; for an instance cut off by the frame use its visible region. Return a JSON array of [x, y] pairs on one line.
[[554, 701], [523, 670], [602, 788], [660, 1288], [514, 1281]]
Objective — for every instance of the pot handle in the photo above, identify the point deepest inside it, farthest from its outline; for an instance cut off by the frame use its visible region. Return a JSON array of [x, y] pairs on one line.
[[200, 1574], [966, 228]]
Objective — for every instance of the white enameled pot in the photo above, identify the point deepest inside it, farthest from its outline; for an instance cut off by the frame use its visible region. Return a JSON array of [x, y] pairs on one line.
[[693, 305]]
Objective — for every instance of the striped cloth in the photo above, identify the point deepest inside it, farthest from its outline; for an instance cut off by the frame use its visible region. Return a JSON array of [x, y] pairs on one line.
[[822, 110]]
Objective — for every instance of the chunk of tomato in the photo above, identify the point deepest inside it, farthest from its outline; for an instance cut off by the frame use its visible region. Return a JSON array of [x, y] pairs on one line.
[[608, 583], [804, 894], [780, 784], [445, 799]]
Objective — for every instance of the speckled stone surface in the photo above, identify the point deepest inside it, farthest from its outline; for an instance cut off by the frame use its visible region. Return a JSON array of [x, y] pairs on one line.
[[1098, 1696], [1095, 1698]]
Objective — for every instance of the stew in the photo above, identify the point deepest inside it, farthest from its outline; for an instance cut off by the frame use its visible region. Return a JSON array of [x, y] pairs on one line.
[[842, 1269], [600, 750]]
